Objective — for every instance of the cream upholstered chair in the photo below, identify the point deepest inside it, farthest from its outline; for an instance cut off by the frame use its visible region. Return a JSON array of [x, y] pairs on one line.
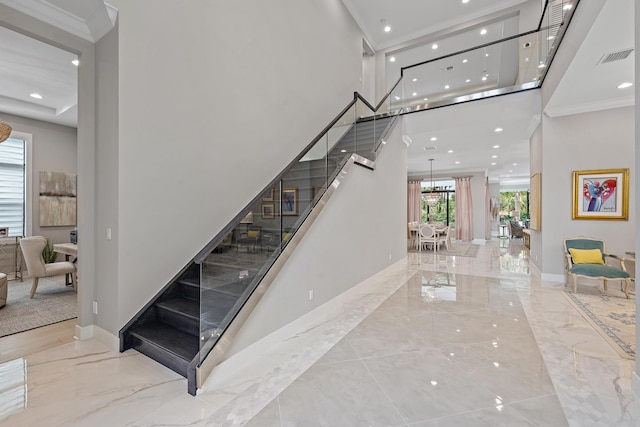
[[32, 253]]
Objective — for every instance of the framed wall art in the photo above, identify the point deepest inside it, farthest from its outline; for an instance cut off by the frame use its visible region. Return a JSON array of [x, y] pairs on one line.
[[268, 211], [290, 201], [601, 194]]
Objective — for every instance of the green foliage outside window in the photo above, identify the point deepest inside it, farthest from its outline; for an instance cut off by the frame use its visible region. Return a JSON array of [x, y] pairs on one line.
[[439, 211], [508, 205]]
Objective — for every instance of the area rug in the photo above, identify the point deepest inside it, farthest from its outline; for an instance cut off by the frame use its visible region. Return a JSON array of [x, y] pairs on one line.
[[613, 316], [456, 249], [52, 303]]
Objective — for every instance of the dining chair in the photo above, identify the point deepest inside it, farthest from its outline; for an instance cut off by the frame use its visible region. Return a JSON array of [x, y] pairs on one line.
[[32, 254], [428, 235], [414, 228], [445, 237]]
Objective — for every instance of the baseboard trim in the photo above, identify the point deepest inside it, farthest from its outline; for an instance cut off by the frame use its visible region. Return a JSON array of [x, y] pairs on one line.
[[556, 278], [83, 332], [92, 331], [635, 384]]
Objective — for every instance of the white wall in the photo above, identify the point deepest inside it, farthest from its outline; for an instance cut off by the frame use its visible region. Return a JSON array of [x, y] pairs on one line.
[[535, 166], [214, 99], [361, 231], [107, 180], [53, 149], [597, 140], [636, 378]]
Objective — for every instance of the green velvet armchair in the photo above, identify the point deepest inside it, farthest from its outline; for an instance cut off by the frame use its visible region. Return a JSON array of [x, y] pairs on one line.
[[586, 257]]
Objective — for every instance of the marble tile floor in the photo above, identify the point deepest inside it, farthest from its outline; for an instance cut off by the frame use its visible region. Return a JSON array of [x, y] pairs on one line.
[[431, 341]]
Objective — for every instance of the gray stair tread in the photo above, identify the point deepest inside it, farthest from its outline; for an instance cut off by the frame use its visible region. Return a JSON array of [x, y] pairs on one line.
[[172, 340], [185, 306]]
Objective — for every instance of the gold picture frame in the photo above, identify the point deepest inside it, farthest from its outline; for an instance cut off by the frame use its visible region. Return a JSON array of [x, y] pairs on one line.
[[601, 194]]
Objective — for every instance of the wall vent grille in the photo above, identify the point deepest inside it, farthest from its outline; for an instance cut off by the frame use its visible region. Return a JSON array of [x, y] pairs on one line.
[[615, 56]]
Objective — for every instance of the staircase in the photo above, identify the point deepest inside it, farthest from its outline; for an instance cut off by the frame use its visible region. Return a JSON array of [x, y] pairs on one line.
[[168, 329], [171, 328]]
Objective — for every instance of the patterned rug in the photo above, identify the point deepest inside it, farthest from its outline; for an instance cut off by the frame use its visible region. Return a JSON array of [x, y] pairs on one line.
[[456, 249], [52, 303], [610, 313]]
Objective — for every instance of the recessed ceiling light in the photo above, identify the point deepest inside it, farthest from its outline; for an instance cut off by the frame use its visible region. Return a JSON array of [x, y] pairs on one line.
[[414, 93], [414, 80], [450, 151], [425, 99], [498, 129], [397, 98], [494, 157], [566, 6], [496, 146], [541, 66], [526, 59], [387, 29], [392, 59], [484, 78], [457, 163], [551, 37], [486, 54], [75, 62], [483, 31], [433, 138], [464, 61], [493, 163], [625, 85], [515, 164], [465, 1], [36, 95], [467, 81], [446, 86], [343, 151], [434, 46], [510, 171]]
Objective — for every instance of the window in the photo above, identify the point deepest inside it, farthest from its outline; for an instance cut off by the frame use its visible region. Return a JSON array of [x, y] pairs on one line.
[[12, 186]]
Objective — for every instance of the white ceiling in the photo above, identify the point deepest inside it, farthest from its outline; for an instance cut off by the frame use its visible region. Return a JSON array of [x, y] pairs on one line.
[[29, 66]]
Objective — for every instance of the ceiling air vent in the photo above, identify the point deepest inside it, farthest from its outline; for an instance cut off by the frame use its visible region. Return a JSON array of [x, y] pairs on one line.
[[615, 56]]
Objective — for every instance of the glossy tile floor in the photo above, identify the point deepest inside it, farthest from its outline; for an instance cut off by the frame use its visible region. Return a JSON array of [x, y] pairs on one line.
[[431, 341]]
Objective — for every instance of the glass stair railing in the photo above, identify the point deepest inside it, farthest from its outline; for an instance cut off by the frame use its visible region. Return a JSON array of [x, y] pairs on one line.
[[509, 65], [190, 324], [241, 262]]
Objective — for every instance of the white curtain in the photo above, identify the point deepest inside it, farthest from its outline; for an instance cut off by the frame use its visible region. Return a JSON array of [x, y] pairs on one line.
[[487, 213], [464, 209], [414, 202]]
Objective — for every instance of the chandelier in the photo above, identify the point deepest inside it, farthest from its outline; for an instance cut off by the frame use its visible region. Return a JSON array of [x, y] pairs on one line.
[[432, 197]]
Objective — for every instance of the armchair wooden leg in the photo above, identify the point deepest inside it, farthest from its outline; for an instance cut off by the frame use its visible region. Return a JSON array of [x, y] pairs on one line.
[[74, 281], [627, 284], [605, 284], [575, 284], [34, 286]]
